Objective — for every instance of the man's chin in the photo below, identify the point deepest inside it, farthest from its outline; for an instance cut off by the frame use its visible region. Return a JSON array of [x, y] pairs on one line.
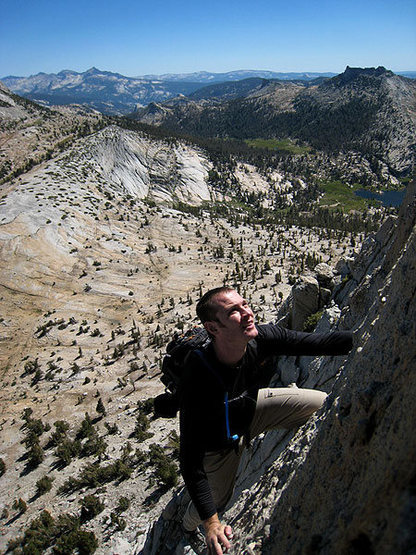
[[251, 331]]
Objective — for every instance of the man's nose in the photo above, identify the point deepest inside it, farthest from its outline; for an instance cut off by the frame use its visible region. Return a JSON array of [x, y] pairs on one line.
[[246, 311]]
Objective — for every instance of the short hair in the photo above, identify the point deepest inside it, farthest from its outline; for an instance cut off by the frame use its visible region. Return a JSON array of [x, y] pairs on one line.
[[205, 308]]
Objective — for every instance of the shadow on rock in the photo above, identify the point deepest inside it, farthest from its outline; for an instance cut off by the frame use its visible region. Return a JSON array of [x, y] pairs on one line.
[[165, 536]]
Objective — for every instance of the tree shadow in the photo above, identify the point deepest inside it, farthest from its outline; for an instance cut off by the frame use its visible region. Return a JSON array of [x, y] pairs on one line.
[[13, 519], [34, 497], [27, 469], [154, 497]]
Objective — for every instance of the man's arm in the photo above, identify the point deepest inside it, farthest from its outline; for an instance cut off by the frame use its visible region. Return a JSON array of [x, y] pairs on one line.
[[282, 341], [191, 455], [195, 413]]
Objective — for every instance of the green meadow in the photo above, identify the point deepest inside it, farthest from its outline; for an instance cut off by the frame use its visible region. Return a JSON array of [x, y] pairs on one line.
[[282, 145], [341, 195]]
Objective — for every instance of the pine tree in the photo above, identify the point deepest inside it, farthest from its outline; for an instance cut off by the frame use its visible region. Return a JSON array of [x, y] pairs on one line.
[[101, 408]]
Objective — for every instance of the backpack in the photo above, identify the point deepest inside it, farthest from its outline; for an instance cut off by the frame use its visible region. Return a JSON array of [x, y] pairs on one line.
[[167, 404]]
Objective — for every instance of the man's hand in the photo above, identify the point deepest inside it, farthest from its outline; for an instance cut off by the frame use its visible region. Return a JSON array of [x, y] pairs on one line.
[[217, 536]]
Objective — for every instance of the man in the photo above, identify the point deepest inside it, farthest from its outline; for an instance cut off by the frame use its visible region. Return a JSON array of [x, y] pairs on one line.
[[225, 402]]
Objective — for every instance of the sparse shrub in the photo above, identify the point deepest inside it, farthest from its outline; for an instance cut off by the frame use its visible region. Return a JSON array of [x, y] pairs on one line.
[[75, 368], [37, 377], [123, 505], [91, 506], [66, 536], [37, 537], [43, 485], [312, 320], [75, 541], [100, 407], [142, 425], [93, 475], [61, 428], [35, 455], [146, 406], [166, 473], [118, 522], [34, 426], [121, 470], [31, 366], [173, 443], [66, 450], [121, 383], [95, 445], [111, 428], [134, 366], [20, 505], [86, 429], [30, 439], [119, 350]]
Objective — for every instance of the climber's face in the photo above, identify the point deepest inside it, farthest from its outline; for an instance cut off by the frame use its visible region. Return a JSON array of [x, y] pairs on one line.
[[234, 319]]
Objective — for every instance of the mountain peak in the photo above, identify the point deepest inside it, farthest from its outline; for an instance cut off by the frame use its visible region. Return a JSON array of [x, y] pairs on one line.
[[351, 73], [65, 72], [92, 70]]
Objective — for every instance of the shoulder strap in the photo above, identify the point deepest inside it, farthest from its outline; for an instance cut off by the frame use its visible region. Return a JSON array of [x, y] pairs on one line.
[[230, 436], [210, 368]]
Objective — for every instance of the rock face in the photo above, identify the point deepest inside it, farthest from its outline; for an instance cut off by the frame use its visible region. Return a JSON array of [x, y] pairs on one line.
[[305, 300], [310, 294], [344, 482], [144, 168]]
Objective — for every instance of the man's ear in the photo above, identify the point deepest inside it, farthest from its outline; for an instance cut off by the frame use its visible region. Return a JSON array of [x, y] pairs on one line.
[[211, 327]]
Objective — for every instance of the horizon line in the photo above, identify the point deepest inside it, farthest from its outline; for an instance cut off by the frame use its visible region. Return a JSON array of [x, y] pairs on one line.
[[155, 75]]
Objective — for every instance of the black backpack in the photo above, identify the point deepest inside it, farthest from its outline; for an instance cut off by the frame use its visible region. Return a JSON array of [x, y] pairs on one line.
[[167, 404]]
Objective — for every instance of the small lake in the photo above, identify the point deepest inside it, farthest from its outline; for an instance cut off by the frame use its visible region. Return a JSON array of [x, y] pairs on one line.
[[387, 198]]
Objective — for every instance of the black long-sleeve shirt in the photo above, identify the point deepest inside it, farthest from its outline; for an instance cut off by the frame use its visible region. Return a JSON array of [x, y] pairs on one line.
[[202, 415]]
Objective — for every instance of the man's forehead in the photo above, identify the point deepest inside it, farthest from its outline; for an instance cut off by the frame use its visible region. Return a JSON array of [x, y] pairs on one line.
[[226, 298]]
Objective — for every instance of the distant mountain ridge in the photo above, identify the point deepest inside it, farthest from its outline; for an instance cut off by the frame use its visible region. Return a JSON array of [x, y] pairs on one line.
[[207, 77], [113, 93], [109, 93], [367, 110]]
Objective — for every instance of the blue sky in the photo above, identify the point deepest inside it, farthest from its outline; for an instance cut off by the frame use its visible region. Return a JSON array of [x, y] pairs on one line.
[[182, 36]]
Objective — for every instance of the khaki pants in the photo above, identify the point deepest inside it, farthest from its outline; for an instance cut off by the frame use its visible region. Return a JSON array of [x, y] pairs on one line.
[[286, 408]]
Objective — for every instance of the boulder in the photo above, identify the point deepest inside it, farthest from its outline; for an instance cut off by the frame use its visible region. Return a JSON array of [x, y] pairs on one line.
[[305, 300], [343, 266], [324, 296], [325, 275]]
